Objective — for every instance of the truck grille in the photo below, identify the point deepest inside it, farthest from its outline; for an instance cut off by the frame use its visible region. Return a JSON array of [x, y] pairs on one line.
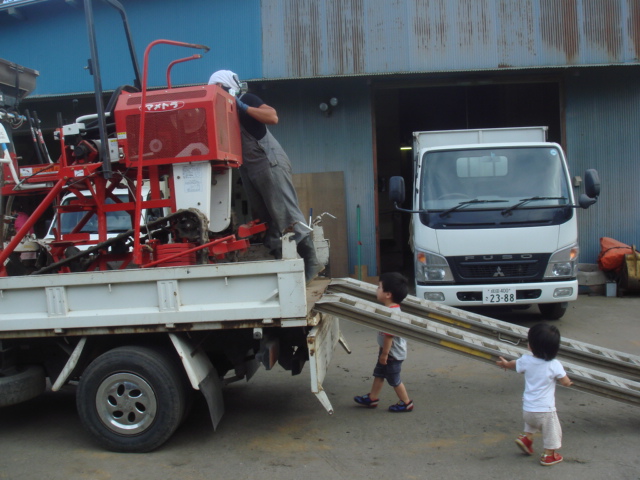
[[499, 268]]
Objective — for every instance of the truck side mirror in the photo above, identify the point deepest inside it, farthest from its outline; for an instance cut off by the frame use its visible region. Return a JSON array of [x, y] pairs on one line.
[[591, 188], [585, 201], [396, 190], [591, 183]]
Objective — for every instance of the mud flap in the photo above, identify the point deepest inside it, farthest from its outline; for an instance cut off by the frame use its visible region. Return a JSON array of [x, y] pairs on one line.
[[321, 342], [70, 365], [202, 375]]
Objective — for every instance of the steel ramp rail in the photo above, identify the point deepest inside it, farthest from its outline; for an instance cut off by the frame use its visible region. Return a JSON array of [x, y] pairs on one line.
[[449, 337], [619, 363]]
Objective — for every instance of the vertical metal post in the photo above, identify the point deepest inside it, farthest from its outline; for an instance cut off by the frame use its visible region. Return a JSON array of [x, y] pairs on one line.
[[134, 58], [359, 243], [94, 70]]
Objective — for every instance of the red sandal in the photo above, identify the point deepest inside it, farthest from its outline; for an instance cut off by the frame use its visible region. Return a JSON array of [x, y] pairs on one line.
[[525, 444], [550, 459]]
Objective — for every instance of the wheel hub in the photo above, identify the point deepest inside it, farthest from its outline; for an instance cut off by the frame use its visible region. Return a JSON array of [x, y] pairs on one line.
[[126, 403]]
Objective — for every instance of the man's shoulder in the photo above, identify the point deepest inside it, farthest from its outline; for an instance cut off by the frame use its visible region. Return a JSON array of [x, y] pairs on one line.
[[252, 100]]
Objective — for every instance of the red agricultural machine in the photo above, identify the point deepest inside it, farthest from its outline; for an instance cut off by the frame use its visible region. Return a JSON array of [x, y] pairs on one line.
[[172, 150]]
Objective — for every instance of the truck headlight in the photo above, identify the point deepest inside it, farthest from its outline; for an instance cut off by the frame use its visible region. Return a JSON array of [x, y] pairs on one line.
[[563, 263], [431, 267]]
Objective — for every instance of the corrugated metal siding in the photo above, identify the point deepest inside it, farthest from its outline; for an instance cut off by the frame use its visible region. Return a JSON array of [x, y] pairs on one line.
[[340, 142], [52, 38], [307, 38], [603, 115]]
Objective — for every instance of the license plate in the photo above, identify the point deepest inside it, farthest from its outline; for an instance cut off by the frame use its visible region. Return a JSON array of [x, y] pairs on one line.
[[498, 296]]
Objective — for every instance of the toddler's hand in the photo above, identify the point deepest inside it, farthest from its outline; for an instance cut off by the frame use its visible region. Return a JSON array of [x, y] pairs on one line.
[[502, 363]]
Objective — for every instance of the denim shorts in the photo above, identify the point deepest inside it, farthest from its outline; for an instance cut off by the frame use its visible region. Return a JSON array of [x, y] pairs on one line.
[[390, 371]]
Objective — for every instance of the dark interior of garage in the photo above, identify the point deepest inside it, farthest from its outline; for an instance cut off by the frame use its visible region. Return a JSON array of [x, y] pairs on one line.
[[401, 111]]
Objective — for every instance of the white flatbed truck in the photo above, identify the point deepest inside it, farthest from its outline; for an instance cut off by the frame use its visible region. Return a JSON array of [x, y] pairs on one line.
[[141, 319], [139, 341]]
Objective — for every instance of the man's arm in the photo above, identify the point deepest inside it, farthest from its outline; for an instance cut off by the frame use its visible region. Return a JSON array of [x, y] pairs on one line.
[[263, 114]]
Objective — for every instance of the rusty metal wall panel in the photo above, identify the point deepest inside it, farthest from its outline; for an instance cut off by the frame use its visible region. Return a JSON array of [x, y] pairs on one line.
[[603, 114], [307, 38], [339, 142]]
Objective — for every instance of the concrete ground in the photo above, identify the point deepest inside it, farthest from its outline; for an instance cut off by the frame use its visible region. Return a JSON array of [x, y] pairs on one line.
[[466, 416]]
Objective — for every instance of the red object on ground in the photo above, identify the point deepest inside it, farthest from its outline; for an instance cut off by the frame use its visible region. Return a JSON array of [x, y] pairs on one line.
[[612, 254]]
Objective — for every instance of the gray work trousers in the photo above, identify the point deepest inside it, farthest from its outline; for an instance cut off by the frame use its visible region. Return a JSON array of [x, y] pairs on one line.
[[266, 177]]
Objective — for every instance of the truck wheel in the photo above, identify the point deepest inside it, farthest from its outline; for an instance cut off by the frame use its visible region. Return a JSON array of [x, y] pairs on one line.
[[552, 311], [22, 384], [131, 399]]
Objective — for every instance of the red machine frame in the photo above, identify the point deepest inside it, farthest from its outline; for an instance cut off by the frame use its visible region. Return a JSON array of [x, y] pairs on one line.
[[188, 124]]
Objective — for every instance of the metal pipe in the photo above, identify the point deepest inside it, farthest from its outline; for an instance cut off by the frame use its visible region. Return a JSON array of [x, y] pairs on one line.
[[34, 137], [132, 51], [91, 116], [31, 221], [359, 243], [94, 70], [187, 252], [186, 59]]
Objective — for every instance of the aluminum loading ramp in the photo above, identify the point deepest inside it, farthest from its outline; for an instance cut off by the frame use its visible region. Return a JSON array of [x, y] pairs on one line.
[[604, 372]]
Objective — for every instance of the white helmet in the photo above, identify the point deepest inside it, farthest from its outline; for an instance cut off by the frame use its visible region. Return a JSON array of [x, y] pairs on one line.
[[227, 79]]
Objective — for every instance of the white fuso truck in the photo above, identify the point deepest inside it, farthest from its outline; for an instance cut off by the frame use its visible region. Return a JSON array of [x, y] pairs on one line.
[[493, 219]]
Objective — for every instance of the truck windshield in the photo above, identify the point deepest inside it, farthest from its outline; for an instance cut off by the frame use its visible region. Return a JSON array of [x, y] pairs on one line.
[[501, 186], [117, 222], [493, 179]]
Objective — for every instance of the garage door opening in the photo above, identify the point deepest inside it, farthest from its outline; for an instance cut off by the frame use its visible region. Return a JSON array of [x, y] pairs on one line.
[[401, 111]]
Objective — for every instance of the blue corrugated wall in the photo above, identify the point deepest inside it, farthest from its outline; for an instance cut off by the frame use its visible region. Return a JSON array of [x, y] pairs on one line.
[[52, 39], [602, 122]]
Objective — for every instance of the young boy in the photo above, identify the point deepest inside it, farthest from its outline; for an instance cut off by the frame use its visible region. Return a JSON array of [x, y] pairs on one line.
[[541, 370], [392, 289]]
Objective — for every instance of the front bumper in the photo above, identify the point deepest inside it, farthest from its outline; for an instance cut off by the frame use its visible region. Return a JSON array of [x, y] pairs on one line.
[[526, 293]]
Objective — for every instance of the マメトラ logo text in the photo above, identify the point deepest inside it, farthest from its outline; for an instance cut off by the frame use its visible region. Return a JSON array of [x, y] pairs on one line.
[[163, 106]]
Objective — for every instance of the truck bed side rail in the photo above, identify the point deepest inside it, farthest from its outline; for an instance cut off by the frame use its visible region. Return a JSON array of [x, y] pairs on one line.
[[168, 299]]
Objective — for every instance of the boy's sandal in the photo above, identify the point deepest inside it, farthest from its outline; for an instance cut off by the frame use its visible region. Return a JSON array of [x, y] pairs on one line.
[[366, 401], [550, 459], [402, 407]]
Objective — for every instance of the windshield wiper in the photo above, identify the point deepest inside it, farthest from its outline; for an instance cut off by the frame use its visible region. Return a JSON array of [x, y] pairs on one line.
[[469, 202], [524, 201]]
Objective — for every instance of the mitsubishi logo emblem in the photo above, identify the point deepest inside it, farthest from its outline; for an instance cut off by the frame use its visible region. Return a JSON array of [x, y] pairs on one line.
[[499, 272]]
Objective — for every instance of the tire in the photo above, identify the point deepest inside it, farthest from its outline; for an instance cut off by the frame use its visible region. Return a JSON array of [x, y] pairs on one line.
[[552, 311], [131, 399], [22, 384]]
